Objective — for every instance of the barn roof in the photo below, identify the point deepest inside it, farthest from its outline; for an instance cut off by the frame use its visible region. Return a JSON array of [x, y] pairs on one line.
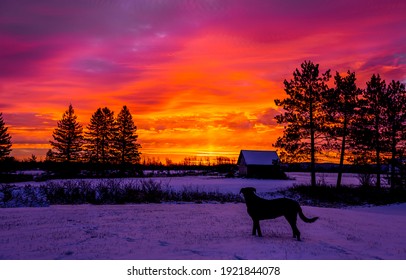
[[252, 157]]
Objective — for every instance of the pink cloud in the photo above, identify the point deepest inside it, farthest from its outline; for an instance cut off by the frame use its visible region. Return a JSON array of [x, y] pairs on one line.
[[186, 59]]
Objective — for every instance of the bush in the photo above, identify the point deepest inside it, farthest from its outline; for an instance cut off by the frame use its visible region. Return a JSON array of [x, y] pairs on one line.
[[329, 196], [27, 196], [107, 191]]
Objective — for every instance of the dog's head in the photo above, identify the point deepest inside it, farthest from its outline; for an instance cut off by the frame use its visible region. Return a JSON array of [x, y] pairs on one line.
[[248, 191]]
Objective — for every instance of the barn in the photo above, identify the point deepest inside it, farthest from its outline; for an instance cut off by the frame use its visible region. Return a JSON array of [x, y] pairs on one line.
[[259, 164]]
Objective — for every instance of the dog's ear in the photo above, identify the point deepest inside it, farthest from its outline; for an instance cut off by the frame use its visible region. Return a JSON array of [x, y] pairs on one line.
[[241, 190]]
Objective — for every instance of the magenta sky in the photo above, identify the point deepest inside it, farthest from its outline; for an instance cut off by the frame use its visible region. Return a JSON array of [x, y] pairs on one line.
[[199, 77]]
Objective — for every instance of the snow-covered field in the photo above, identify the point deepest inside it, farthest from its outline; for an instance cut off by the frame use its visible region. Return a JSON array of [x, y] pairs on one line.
[[28, 194], [232, 185], [197, 231], [201, 231]]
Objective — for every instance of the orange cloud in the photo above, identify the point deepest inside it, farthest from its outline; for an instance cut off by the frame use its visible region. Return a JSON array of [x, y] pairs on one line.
[[198, 79]]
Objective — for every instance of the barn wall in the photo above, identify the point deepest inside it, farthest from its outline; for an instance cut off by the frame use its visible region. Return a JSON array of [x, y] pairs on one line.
[[264, 171], [242, 167]]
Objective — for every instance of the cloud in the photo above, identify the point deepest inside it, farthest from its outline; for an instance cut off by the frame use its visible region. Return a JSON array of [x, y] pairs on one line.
[[201, 72], [267, 117], [391, 66], [32, 121]]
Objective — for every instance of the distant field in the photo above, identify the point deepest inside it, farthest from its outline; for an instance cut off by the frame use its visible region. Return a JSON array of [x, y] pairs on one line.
[[232, 185]]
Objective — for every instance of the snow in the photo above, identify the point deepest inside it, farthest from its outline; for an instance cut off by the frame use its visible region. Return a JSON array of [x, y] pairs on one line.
[[200, 231], [29, 193], [197, 231], [233, 185]]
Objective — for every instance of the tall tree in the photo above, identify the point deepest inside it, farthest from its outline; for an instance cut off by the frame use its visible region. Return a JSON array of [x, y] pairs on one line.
[[339, 106], [101, 135], [303, 117], [68, 138], [369, 141], [394, 112], [5, 139], [126, 140]]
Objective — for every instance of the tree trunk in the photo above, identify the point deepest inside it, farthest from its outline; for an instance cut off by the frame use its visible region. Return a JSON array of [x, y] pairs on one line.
[[378, 167], [312, 163], [393, 159], [378, 152], [312, 148], [378, 162], [340, 167]]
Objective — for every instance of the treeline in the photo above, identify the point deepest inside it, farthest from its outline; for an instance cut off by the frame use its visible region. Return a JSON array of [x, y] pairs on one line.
[[107, 139], [364, 126], [190, 165], [107, 142]]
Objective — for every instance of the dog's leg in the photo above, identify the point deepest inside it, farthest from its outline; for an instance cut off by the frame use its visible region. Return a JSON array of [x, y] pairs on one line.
[[292, 219], [257, 227], [254, 228]]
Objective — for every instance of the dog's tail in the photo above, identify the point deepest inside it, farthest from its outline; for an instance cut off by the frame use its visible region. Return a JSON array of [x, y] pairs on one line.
[[304, 218]]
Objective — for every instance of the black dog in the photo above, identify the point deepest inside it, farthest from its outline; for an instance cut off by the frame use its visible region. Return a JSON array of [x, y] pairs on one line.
[[264, 209]]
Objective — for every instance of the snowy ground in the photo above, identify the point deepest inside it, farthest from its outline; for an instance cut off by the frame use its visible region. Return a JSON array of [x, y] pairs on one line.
[[232, 185], [197, 231], [201, 231], [28, 194]]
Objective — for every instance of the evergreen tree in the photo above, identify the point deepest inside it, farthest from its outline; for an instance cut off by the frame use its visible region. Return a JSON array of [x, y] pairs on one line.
[[369, 141], [5, 139], [339, 107], [127, 148], [394, 132], [101, 136], [68, 138], [303, 117]]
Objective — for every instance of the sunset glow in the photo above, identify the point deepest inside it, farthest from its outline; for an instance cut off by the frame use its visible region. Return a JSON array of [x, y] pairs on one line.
[[199, 76]]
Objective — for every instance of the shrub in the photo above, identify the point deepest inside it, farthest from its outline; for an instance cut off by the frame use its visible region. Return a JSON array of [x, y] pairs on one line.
[[329, 196], [107, 191]]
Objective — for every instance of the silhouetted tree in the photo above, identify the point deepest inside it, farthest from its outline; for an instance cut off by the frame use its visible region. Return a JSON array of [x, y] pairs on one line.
[[369, 142], [101, 135], [5, 139], [339, 106], [68, 138], [394, 113], [127, 148], [303, 117]]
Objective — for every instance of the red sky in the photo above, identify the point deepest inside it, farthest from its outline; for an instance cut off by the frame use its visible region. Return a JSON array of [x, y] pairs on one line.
[[199, 77]]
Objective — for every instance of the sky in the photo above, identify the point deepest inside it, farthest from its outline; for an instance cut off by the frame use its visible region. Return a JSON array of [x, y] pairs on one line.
[[199, 77]]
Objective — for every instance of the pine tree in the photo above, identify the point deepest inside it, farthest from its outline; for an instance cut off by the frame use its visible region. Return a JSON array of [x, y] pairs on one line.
[[369, 142], [339, 107], [68, 138], [5, 139], [303, 117], [394, 113], [101, 135], [127, 148]]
